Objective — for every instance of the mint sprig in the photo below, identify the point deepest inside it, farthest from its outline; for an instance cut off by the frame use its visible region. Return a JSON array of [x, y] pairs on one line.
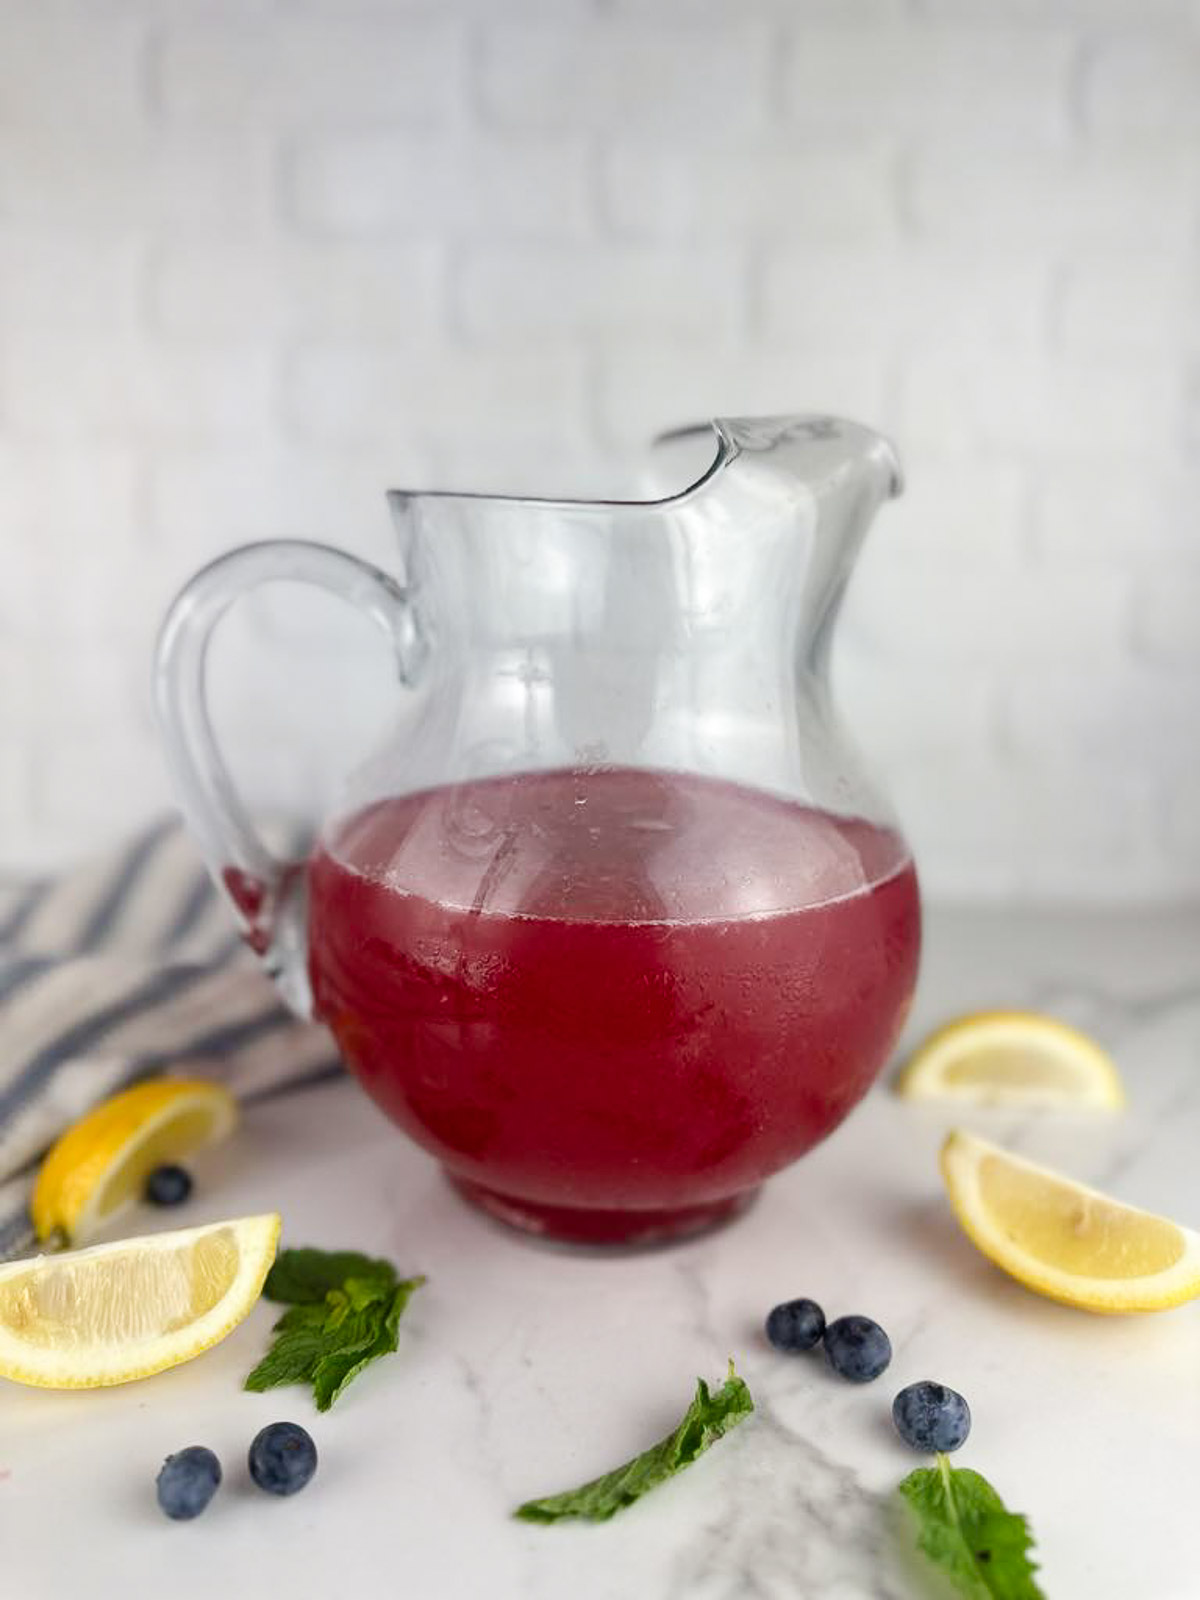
[[965, 1528], [301, 1277], [345, 1311], [707, 1418]]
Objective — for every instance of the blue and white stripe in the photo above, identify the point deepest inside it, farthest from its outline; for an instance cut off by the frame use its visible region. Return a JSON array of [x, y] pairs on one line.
[[121, 970]]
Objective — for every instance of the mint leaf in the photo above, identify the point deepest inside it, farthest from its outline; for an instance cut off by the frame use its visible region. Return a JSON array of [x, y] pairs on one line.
[[302, 1277], [375, 1336], [343, 1359], [335, 1372], [706, 1419], [297, 1317], [965, 1528], [363, 1292], [293, 1358], [327, 1342], [401, 1295]]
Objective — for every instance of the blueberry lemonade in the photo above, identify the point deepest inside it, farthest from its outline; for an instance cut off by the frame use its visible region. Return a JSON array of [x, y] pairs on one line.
[[612, 1001]]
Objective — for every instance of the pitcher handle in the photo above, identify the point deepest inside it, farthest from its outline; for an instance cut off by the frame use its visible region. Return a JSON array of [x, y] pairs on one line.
[[264, 891]]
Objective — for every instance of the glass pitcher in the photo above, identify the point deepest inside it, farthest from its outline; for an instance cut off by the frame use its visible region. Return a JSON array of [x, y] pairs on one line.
[[612, 921]]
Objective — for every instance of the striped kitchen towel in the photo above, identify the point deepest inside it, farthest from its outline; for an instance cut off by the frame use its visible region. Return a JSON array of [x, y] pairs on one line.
[[125, 968]]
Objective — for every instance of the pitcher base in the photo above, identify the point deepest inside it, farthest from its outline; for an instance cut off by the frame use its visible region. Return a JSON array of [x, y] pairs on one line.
[[585, 1225]]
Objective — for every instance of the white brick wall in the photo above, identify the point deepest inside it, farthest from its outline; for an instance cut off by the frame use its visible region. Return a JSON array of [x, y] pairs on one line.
[[295, 71], [1075, 195], [260, 258], [1136, 83], [667, 77], [919, 80], [448, 184], [293, 288], [821, 194], [514, 294]]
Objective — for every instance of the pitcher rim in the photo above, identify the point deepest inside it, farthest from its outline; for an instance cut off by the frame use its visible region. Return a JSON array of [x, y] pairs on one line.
[[727, 451]]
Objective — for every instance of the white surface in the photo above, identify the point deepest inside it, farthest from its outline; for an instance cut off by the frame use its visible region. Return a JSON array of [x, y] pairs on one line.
[[524, 1369], [260, 260]]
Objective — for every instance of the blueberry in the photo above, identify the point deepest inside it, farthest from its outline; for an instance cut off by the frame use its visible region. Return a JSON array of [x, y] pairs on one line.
[[796, 1325], [857, 1348], [168, 1186], [929, 1416], [187, 1481], [282, 1458]]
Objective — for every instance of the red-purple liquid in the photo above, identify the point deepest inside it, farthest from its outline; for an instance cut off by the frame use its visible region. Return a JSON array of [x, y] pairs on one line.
[[612, 1001]]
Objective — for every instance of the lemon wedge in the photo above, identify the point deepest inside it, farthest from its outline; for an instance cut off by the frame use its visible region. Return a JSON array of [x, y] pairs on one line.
[[1011, 1058], [101, 1162], [86, 1318], [1064, 1240]]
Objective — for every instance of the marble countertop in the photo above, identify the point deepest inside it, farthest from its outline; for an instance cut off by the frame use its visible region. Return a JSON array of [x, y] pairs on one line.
[[524, 1369]]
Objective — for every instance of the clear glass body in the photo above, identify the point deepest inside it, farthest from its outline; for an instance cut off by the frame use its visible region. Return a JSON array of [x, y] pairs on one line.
[[612, 921]]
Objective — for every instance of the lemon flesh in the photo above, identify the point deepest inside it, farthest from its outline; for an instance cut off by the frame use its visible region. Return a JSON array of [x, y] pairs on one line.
[[115, 1312], [102, 1161], [1063, 1239], [1011, 1058]]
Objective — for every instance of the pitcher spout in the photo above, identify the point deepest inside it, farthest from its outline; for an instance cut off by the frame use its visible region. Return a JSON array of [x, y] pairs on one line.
[[822, 453]]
